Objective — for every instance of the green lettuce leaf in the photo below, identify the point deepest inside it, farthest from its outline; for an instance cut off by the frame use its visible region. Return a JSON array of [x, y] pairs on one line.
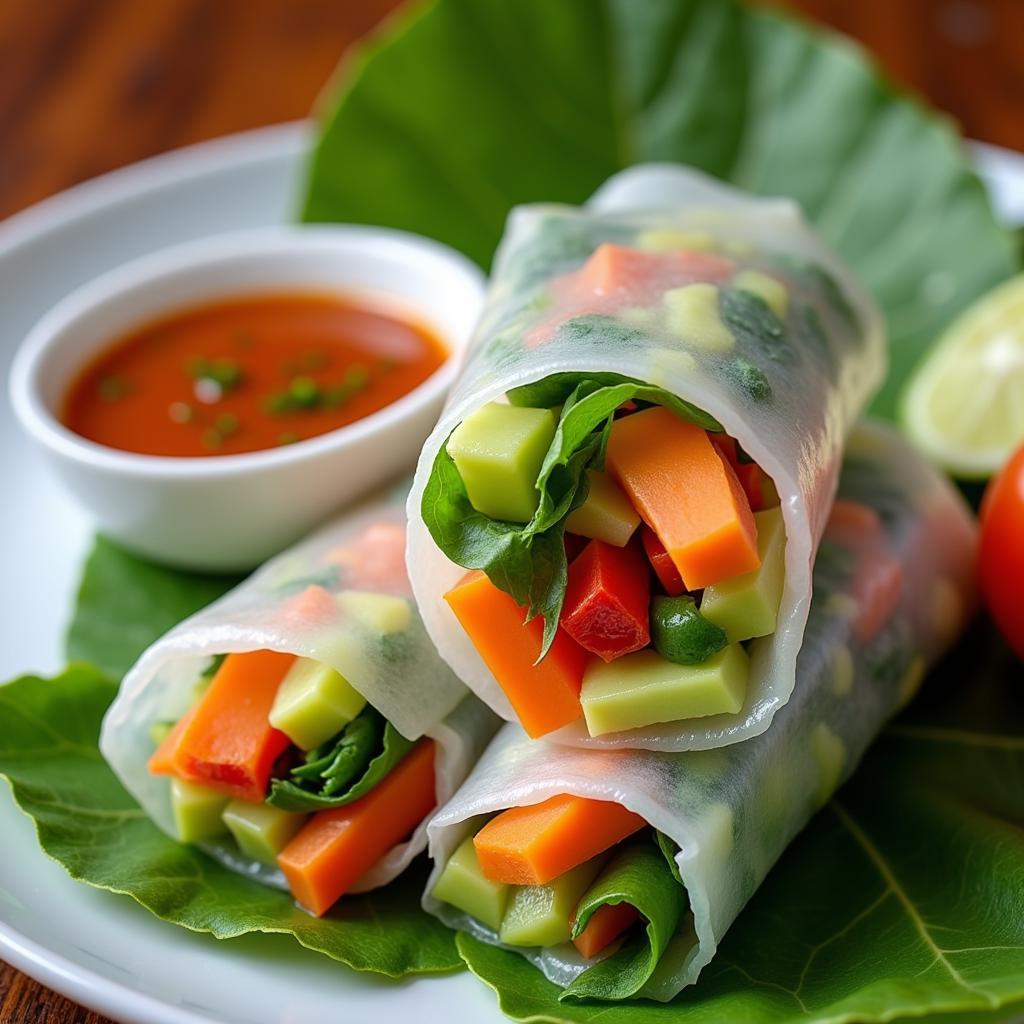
[[344, 768], [901, 898], [550, 99], [124, 603], [90, 825], [527, 561], [639, 875]]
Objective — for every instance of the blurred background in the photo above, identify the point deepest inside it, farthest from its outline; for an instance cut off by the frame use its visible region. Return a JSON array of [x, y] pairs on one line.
[[90, 85]]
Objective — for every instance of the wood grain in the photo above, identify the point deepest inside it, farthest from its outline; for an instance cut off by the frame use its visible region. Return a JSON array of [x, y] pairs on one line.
[[90, 85]]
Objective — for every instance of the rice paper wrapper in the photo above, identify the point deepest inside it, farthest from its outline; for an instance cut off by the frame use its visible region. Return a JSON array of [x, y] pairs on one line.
[[311, 601], [820, 374], [734, 810]]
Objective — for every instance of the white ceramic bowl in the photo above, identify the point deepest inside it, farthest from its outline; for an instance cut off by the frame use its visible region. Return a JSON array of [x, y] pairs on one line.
[[230, 512]]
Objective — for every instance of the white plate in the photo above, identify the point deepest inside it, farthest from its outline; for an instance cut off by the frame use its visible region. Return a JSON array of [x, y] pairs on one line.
[[99, 949]]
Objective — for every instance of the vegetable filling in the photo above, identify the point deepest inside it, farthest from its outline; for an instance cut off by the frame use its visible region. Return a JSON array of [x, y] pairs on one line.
[[577, 870], [283, 756]]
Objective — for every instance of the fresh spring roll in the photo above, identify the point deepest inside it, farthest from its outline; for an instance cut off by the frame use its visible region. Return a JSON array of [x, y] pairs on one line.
[[641, 453], [302, 729], [617, 872]]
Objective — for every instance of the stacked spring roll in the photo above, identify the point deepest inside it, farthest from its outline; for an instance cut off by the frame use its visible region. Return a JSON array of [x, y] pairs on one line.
[[637, 462], [618, 872], [302, 729]]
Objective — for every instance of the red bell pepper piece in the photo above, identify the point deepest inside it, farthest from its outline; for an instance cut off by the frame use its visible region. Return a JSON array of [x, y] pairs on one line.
[[574, 544], [607, 600], [665, 569]]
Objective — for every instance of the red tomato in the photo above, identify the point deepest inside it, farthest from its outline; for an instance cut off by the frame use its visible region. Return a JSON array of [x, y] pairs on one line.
[[1001, 555]]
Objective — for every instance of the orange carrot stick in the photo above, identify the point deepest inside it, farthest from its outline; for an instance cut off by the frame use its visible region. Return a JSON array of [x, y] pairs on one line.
[[687, 494], [531, 845], [228, 743], [337, 847], [162, 760], [544, 696], [606, 924]]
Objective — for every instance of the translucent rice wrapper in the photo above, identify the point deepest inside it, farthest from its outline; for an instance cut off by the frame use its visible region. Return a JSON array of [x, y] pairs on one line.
[[832, 361], [300, 603], [734, 810]]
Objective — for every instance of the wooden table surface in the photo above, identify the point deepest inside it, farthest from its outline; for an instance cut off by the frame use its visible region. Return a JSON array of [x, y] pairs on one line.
[[90, 85]]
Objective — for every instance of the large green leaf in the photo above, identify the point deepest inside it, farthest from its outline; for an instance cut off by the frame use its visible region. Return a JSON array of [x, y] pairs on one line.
[[124, 603], [467, 107], [904, 896], [88, 823]]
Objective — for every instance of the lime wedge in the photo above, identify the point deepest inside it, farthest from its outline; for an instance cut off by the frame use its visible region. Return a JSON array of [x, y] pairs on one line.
[[964, 406]]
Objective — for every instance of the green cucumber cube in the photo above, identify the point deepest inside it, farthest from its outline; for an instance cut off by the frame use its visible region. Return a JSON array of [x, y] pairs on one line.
[[644, 688], [378, 613], [260, 830], [606, 514], [747, 606], [313, 702], [463, 885], [542, 915], [691, 313], [197, 811], [770, 289], [498, 451]]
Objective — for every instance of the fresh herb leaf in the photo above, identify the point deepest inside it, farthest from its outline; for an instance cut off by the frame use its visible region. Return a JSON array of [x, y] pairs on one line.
[[212, 666], [90, 825], [755, 324], [345, 767], [527, 561], [638, 875], [669, 848], [750, 379]]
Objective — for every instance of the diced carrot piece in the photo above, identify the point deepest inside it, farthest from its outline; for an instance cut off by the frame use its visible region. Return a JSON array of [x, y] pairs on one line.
[[756, 483], [229, 743], [877, 587], [544, 696], [615, 267], [727, 446], [606, 924], [664, 568], [335, 848], [687, 494], [852, 523], [607, 600], [531, 845], [162, 760]]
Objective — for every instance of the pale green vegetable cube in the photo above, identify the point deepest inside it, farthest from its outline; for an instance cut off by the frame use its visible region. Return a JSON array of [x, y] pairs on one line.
[[313, 702], [498, 451], [541, 915], [159, 731], [463, 885], [747, 606], [379, 613], [772, 290], [197, 811], [667, 239], [691, 313], [606, 514], [260, 830], [644, 688]]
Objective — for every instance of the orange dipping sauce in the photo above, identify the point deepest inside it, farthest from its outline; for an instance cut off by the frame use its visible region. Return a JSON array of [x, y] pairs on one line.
[[247, 374]]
